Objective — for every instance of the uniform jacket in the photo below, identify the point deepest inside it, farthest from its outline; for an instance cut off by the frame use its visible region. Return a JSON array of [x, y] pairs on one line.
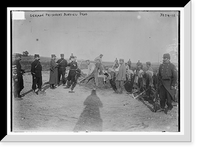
[[53, 72], [17, 68], [167, 77], [17, 75], [121, 74], [36, 68], [62, 63], [73, 65]]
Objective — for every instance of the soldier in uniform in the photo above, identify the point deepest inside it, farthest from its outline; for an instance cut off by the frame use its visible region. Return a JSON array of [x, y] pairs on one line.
[[53, 79], [72, 76], [167, 80], [17, 76], [62, 64], [36, 71]]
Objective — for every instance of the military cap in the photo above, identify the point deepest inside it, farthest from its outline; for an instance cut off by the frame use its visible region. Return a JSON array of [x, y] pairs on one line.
[[166, 55], [62, 55], [121, 60], [36, 55], [53, 55], [72, 57], [148, 63]]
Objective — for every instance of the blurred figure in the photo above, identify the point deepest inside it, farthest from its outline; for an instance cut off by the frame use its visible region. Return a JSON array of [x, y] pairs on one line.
[[150, 73], [17, 76], [72, 56], [99, 58], [90, 118], [112, 78], [62, 64], [120, 76], [116, 64], [129, 63], [53, 80], [139, 64], [90, 66], [138, 76], [36, 71], [167, 80]]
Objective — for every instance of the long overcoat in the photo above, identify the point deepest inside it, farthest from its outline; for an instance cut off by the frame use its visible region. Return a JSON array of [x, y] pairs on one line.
[[167, 77], [53, 72]]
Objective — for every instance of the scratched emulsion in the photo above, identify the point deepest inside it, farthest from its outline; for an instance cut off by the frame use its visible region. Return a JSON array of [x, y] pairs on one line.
[[90, 119]]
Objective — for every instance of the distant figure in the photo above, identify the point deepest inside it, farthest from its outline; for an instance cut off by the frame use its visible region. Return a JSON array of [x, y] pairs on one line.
[[120, 76], [99, 58], [139, 64], [116, 64], [129, 63], [72, 56], [167, 80], [138, 76], [90, 118], [17, 76], [62, 64], [53, 79], [149, 71], [36, 71], [90, 66]]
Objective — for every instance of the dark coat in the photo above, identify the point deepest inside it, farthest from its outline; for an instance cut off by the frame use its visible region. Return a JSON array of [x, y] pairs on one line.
[[62, 64], [167, 76], [73, 68], [17, 75], [53, 79], [36, 68]]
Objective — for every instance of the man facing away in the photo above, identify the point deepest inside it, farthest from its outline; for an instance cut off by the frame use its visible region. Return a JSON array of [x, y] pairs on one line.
[[62, 64], [120, 76], [167, 80], [36, 71], [17, 76]]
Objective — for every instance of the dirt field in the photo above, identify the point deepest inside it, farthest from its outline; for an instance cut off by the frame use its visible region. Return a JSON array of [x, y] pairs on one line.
[[57, 110]]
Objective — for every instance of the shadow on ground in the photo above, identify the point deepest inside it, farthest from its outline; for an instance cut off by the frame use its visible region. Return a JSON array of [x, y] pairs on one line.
[[90, 119]]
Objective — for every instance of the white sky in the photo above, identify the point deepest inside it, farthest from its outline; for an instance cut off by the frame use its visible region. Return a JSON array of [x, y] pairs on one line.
[[143, 36]]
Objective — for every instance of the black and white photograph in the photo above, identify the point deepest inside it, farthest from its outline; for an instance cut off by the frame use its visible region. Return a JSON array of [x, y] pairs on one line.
[[95, 71]]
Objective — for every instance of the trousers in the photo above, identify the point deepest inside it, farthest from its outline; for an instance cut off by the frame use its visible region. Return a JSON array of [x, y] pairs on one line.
[[61, 73], [165, 97], [119, 85], [18, 86], [72, 79], [37, 82]]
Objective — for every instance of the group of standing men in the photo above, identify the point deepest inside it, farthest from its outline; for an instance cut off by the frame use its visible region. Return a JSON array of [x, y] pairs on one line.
[[166, 76], [57, 73], [58, 70]]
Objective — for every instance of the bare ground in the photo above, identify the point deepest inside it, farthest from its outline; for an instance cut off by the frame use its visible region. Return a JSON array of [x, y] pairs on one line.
[[58, 110]]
